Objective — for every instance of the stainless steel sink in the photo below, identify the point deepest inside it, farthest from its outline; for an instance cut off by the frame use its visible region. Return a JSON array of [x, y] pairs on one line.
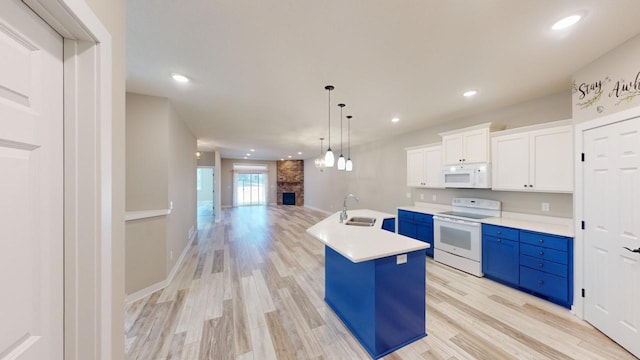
[[361, 221]]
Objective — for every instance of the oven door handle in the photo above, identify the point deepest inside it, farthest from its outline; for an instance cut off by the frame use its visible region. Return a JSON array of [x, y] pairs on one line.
[[455, 221]]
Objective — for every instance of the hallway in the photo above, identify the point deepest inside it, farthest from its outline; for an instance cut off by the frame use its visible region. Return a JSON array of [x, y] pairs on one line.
[[251, 287]]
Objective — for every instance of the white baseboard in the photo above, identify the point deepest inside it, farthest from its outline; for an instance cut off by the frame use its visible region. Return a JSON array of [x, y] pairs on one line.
[[164, 283], [146, 291], [316, 209]]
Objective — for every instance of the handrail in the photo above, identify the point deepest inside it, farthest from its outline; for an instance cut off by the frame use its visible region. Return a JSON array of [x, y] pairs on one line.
[[144, 214]]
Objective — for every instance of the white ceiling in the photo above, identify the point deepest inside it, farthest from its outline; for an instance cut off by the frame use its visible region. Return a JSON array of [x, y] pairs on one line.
[[259, 68]]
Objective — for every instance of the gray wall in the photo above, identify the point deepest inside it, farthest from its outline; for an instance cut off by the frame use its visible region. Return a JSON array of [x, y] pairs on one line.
[[226, 180], [181, 188], [207, 158], [161, 169], [620, 64], [147, 152], [379, 175]]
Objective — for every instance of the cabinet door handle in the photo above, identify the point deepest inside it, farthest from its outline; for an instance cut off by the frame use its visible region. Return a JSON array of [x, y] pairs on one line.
[[633, 251], [525, 185], [499, 240], [541, 253], [540, 241], [540, 282], [498, 232], [540, 265]]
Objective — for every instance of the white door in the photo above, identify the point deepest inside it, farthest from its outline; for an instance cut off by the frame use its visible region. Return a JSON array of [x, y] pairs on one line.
[[31, 186], [612, 223]]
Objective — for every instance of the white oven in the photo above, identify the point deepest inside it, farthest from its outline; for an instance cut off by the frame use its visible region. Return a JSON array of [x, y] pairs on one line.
[[458, 237], [458, 233]]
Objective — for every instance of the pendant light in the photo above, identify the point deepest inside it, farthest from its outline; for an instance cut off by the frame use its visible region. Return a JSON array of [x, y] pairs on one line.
[[319, 161], [328, 156], [349, 165], [341, 160]]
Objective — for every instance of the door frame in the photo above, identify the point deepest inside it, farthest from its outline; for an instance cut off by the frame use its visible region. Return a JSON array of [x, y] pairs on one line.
[[89, 297], [578, 200]]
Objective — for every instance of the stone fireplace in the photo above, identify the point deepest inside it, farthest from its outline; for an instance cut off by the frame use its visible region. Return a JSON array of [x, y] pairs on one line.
[[290, 181]]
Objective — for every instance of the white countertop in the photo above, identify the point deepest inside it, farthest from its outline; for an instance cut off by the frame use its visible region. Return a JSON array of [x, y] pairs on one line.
[[426, 208], [360, 243], [544, 224]]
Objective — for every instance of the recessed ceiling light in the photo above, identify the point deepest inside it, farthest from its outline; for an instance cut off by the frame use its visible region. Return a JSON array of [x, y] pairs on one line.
[[299, 152], [566, 22], [469, 93], [252, 150], [395, 119], [281, 159], [245, 158], [180, 78], [289, 156], [248, 154]]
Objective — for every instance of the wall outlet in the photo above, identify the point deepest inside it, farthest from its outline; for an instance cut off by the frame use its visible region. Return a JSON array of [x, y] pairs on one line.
[[545, 206], [421, 196], [401, 259], [408, 195], [434, 197]]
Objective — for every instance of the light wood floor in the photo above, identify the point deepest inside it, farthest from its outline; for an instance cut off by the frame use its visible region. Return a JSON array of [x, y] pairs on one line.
[[252, 287]]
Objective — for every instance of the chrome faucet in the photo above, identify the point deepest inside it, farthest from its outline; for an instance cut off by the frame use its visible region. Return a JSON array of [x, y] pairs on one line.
[[343, 214]]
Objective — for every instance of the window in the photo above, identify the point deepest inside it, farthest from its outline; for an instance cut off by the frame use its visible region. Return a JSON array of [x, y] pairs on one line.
[[249, 184]]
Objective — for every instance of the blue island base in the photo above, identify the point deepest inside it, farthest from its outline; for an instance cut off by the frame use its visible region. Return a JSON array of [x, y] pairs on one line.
[[381, 301]]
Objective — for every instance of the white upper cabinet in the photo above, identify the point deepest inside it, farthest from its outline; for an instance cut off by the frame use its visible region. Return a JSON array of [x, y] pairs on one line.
[[537, 160], [424, 167], [415, 167], [468, 145]]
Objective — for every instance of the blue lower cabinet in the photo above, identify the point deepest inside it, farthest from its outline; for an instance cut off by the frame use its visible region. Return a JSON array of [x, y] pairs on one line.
[[424, 232], [389, 224], [500, 259], [407, 228], [380, 301], [538, 263], [418, 226]]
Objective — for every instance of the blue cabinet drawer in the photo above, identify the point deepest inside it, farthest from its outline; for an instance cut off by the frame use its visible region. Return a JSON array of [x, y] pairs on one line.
[[424, 218], [545, 240], [544, 253], [544, 283], [406, 215], [500, 232], [544, 265]]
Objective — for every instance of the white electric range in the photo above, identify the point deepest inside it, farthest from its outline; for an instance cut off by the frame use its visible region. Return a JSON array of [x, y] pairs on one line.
[[458, 233]]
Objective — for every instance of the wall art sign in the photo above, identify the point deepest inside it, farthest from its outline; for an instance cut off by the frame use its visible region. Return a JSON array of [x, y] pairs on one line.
[[621, 91]]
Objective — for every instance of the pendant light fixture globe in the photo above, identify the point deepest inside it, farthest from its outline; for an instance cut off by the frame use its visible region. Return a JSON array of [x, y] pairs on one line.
[[349, 164], [328, 156], [341, 160]]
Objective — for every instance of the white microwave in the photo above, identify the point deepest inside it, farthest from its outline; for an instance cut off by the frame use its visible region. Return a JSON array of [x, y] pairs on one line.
[[469, 176]]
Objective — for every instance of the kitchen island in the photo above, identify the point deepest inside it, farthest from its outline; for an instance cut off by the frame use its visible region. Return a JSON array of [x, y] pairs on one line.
[[374, 281]]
